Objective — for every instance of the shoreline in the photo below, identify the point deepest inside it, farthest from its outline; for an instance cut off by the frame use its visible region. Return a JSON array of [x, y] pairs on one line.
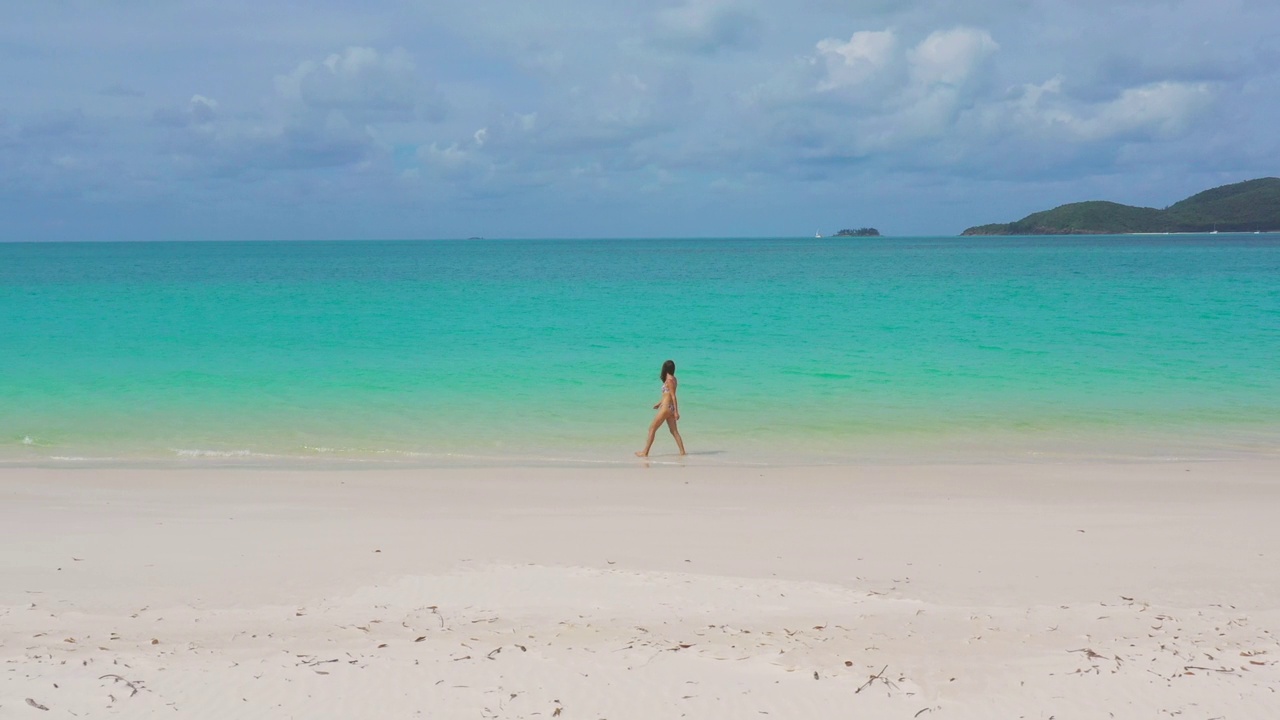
[[970, 591], [1094, 445]]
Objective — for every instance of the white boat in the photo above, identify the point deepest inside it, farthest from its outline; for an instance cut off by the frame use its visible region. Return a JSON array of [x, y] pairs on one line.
[[818, 234]]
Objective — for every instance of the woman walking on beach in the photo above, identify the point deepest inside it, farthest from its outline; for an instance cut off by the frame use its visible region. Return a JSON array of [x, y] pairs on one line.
[[668, 409]]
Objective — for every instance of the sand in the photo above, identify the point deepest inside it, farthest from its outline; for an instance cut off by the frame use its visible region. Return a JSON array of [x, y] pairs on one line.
[[1069, 590]]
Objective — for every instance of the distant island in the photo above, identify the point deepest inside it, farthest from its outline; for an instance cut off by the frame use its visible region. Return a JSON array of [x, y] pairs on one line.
[[860, 232], [1250, 206]]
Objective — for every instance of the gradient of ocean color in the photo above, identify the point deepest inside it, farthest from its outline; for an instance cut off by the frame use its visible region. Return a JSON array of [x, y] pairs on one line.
[[548, 351]]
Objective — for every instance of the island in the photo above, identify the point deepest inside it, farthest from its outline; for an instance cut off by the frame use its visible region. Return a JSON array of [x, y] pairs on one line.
[[860, 232], [1250, 206]]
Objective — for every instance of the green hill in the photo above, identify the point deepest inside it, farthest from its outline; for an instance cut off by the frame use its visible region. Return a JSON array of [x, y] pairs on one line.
[[1243, 207]]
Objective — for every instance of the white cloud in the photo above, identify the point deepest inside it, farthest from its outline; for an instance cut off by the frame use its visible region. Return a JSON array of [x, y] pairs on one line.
[[866, 55], [950, 57], [607, 116], [329, 114], [199, 111], [362, 83], [706, 26], [1163, 108], [777, 92], [460, 161], [1046, 112], [878, 98], [875, 95], [451, 157], [202, 109]]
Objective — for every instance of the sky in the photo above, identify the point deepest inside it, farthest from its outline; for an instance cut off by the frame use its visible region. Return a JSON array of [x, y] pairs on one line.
[[389, 119]]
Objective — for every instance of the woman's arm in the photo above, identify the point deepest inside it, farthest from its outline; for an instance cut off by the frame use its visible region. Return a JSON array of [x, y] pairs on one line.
[[675, 405]]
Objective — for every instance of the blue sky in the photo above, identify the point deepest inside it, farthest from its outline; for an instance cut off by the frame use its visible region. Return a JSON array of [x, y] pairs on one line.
[[235, 119]]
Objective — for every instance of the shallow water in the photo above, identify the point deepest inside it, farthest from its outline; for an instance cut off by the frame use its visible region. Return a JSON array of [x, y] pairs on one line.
[[548, 351]]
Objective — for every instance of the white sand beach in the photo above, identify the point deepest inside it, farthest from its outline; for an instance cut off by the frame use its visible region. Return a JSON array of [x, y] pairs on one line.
[[1070, 590]]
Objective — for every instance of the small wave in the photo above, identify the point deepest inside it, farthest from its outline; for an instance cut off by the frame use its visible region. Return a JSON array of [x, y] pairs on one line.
[[217, 453], [26, 440]]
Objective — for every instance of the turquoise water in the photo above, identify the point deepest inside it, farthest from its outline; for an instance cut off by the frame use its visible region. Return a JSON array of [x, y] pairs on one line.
[[548, 351]]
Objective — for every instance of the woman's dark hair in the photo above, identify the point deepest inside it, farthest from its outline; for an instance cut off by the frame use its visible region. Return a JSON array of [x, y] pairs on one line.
[[668, 368]]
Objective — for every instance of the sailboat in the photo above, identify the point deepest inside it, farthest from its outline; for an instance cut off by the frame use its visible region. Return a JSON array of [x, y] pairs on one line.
[[818, 234]]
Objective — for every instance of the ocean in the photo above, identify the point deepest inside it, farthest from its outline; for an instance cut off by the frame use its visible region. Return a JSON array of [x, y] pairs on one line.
[[482, 352]]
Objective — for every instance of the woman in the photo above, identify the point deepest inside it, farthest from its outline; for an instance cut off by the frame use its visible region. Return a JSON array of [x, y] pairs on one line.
[[668, 409]]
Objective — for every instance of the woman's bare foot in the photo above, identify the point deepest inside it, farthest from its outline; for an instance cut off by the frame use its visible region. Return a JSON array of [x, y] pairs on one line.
[[641, 453]]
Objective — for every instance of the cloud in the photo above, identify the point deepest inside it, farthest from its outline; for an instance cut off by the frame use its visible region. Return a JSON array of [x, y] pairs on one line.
[[1155, 110], [624, 109], [866, 56], [199, 110], [874, 66], [548, 108], [938, 104], [298, 147], [465, 159], [950, 57], [1044, 113], [61, 154], [604, 124], [234, 148], [363, 84], [59, 127], [122, 91], [327, 114], [706, 26], [875, 94]]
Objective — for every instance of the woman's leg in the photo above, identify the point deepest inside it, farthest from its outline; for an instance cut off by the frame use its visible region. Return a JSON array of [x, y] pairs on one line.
[[675, 432], [653, 430]]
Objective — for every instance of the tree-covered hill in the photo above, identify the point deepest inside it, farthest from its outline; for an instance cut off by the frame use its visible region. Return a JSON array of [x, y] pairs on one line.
[[1243, 207]]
